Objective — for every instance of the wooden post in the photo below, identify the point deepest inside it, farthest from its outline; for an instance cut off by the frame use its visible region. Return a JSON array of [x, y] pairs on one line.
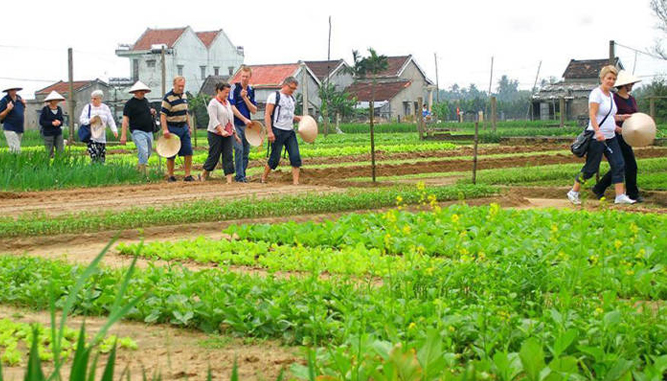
[[163, 66], [337, 121], [304, 88], [651, 102], [437, 81], [194, 127], [326, 85], [420, 118], [474, 154], [372, 109], [494, 116], [561, 104], [72, 117], [612, 53]]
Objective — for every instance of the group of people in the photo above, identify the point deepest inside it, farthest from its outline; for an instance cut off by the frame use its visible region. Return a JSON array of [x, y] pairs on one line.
[[607, 112], [230, 112]]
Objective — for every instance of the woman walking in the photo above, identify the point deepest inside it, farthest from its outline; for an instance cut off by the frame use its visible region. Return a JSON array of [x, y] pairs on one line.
[[626, 104], [50, 121], [98, 116], [221, 131], [603, 115]]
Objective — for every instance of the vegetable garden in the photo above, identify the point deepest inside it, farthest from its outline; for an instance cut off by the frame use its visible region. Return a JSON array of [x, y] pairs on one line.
[[421, 276]]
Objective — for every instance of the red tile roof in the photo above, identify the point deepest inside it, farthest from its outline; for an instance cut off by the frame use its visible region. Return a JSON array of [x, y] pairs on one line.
[[62, 87], [394, 65], [267, 76], [158, 36], [208, 37], [321, 68], [587, 69], [384, 91]]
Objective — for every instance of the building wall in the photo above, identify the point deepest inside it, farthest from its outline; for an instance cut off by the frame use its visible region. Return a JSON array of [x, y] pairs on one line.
[[410, 95], [342, 80], [192, 54], [223, 54], [413, 74]]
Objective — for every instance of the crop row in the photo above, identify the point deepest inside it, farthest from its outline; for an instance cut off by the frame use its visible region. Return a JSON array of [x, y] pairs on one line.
[[218, 210]]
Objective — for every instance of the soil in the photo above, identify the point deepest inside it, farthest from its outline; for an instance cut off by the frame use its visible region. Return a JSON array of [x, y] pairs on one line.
[[176, 353]]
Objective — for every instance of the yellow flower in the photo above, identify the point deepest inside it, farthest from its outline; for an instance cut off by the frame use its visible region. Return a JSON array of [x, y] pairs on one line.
[[554, 228], [406, 229], [451, 329], [618, 244], [593, 259], [412, 325], [641, 254], [598, 310], [429, 271], [629, 272], [399, 200], [481, 256], [455, 218], [634, 228], [421, 186]]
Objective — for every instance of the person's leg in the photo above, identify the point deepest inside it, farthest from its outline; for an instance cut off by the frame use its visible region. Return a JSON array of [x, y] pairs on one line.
[[630, 169], [292, 147], [593, 158], [60, 143], [276, 150], [170, 167], [239, 153], [48, 144], [186, 152], [246, 155], [228, 157], [214, 151], [12, 141], [19, 137], [601, 186], [102, 152], [141, 142], [617, 166]]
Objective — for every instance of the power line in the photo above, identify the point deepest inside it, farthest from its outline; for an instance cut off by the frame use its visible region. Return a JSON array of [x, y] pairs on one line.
[[640, 51]]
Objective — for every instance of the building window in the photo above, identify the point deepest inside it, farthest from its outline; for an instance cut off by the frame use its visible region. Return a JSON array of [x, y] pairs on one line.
[[150, 64], [180, 69], [231, 70], [203, 72], [216, 70], [135, 70]]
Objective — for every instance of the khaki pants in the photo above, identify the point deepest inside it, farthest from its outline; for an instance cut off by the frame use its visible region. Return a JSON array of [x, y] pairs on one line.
[[13, 141]]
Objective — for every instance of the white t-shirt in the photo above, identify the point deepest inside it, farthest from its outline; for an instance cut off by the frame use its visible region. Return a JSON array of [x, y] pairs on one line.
[[285, 119], [609, 126]]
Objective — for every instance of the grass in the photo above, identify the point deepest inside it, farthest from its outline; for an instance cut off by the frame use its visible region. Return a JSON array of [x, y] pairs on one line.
[[34, 170], [221, 210]]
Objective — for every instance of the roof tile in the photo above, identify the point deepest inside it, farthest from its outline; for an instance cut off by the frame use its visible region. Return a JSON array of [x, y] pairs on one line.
[[384, 91]]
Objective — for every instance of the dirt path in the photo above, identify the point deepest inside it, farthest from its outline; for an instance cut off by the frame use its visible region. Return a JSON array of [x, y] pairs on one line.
[[149, 195], [175, 352]]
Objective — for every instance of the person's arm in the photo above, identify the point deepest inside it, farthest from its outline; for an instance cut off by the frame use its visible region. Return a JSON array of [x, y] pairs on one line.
[[123, 129], [84, 119], [43, 120], [6, 108], [267, 121], [111, 122], [238, 114], [250, 103]]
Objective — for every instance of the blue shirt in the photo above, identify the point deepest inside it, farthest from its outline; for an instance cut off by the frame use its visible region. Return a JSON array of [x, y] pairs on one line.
[[14, 119], [236, 100]]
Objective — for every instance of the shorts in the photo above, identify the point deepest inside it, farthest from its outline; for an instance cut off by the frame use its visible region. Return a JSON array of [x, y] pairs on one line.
[[184, 134]]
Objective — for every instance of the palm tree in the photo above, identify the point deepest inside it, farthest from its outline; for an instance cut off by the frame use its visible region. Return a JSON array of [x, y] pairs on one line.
[[369, 67]]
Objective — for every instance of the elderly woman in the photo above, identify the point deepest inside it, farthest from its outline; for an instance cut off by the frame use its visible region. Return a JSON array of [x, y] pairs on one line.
[[626, 104], [50, 121], [221, 131], [98, 116], [603, 115]]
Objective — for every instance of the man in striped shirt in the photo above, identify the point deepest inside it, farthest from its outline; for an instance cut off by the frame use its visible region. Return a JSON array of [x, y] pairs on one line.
[[174, 119]]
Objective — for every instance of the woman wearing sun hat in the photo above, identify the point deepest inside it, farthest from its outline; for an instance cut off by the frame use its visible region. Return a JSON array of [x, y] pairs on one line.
[[50, 122], [138, 115], [626, 104]]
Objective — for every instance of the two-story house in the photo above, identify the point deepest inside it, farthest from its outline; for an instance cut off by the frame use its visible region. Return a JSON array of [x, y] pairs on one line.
[[193, 55]]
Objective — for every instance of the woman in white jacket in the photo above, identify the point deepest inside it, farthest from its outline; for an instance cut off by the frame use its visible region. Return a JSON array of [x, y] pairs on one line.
[[221, 131], [98, 116]]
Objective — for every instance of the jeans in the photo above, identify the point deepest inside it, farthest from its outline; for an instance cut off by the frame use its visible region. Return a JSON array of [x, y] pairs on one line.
[[285, 139], [612, 151], [630, 172], [13, 141], [144, 142], [219, 146], [56, 142], [241, 152], [183, 133]]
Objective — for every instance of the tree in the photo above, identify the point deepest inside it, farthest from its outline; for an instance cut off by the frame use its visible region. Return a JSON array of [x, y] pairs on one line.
[[508, 89], [659, 7], [336, 102], [369, 67]]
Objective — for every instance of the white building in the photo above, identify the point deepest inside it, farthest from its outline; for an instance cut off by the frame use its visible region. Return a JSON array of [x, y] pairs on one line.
[[194, 55]]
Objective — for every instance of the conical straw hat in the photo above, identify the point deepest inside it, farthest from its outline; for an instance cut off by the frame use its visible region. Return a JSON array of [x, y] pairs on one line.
[[168, 147], [254, 133], [12, 86], [308, 129], [639, 130], [625, 78], [54, 96], [139, 86]]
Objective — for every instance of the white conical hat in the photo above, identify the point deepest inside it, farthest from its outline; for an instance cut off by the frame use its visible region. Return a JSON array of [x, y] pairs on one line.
[[168, 147], [54, 96], [254, 133], [639, 130], [139, 86], [308, 129], [625, 78]]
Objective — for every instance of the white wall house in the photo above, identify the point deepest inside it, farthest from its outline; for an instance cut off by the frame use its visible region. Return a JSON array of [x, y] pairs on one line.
[[194, 55]]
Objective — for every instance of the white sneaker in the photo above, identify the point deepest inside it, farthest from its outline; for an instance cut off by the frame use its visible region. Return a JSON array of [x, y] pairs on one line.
[[624, 199], [573, 197]]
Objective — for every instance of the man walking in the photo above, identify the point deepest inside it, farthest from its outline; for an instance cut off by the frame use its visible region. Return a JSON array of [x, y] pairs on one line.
[[279, 119], [138, 115], [175, 120], [242, 99], [12, 115]]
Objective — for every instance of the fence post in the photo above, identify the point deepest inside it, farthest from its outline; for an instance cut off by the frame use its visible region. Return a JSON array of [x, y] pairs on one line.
[[420, 118], [561, 104], [474, 154], [651, 101], [494, 116]]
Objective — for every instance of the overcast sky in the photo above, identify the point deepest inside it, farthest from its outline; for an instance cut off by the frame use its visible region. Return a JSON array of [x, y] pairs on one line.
[[464, 34]]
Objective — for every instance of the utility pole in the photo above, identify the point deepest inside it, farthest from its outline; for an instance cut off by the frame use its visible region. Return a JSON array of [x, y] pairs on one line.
[[72, 118], [304, 87], [530, 102], [490, 84], [163, 65], [437, 80], [326, 84], [612, 52]]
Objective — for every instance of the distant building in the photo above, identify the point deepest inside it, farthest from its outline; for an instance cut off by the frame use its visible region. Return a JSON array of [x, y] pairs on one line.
[[208, 87], [267, 79], [397, 89], [335, 70], [82, 92], [579, 79], [194, 55]]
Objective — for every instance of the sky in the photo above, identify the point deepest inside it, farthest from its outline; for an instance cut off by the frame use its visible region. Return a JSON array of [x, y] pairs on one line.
[[465, 35]]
